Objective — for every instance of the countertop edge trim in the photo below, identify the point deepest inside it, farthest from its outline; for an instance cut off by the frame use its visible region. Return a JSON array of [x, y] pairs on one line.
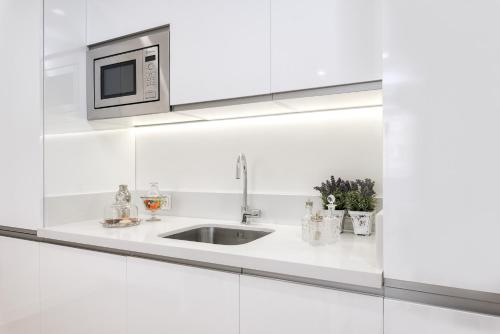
[[379, 292], [442, 296]]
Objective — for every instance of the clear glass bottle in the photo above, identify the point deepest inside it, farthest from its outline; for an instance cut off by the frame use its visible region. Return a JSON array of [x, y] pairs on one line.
[[123, 194], [123, 198], [316, 230], [306, 220], [332, 225]]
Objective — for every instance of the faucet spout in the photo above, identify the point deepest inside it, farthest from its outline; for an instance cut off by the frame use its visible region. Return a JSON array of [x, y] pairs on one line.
[[241, 173]]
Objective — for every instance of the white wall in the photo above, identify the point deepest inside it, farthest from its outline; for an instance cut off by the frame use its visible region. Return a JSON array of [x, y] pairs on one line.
[[287, 154], [89, 162]]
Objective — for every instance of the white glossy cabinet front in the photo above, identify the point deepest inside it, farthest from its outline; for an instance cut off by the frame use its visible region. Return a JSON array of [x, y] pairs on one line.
[[170, 298], [82, 291], [218, 49], [19, 289], [409, 318], [316, 43], [441, 166], [271, 306], [21, 145]]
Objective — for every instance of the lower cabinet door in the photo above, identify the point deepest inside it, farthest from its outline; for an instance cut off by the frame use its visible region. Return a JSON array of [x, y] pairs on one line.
[[170, 298], [82, 292], [402, 317], [271, 306], [19, 290]]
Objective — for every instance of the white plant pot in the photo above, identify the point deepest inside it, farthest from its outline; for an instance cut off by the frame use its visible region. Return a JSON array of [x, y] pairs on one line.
[[362, 222]]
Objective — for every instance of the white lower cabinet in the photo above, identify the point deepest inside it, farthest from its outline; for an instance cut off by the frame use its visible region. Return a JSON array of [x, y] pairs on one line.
[[82, 291], [402, 317], [19, 290], [271, 306], [170, 298]]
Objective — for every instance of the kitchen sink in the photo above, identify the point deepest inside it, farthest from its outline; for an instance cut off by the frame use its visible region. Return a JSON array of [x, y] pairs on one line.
[[219, 235]]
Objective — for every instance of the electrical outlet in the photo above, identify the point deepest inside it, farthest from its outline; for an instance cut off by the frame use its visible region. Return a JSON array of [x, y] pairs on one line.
[[168, 202]]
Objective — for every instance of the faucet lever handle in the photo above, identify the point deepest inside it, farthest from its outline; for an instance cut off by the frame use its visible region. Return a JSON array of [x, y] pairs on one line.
[[254, 213]]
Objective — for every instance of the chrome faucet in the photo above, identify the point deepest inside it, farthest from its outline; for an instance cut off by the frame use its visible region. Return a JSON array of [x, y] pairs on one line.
[[241, 172]]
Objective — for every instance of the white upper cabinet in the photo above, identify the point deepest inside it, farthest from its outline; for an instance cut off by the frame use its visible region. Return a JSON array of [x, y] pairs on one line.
[[317, 43], [272, 306], [108, 19], [219, 49], [21, 145], [409, 318], [19, 289], [170, 298], [82, 291], [222, 49], [441, 166]]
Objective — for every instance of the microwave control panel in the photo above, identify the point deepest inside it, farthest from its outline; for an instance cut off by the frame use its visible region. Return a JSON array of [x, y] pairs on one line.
[[150, 74]]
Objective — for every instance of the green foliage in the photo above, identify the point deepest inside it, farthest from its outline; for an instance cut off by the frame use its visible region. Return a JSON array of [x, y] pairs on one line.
[[361, 196], [338, 188]]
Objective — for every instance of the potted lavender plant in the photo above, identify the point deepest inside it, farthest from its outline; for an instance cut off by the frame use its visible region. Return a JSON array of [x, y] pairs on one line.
[[338, 188], [360, 202]]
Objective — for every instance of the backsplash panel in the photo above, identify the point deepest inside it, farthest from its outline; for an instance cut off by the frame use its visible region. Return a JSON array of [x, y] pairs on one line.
[[276, 209], [287, 154], [89, 162]]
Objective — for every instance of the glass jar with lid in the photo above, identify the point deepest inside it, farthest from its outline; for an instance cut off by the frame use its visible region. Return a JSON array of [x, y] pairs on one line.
[[154, 201]]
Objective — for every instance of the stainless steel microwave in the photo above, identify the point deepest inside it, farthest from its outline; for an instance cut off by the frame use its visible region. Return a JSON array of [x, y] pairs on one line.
[[129, 76]]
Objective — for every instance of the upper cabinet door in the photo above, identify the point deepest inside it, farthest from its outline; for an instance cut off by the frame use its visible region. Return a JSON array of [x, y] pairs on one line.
[[219, 50], [108, 19], [318, 43], [21, 145]]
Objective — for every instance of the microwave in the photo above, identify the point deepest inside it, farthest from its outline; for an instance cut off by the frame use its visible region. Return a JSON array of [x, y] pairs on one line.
[[129, 76]]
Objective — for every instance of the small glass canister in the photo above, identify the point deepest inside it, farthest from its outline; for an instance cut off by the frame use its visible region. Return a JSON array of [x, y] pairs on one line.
[[317, 230], [154, 201], [121, 215]]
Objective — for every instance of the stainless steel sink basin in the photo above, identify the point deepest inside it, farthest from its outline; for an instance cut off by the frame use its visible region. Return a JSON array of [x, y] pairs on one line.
[[219, 235]]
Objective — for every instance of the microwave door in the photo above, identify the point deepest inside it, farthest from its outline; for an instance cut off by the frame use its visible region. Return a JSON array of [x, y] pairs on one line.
[[118, 80]]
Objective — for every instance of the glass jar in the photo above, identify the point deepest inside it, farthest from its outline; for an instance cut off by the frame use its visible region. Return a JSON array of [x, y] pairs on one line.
[[153, 201], [123, 194], [317, 230], [121, 215]]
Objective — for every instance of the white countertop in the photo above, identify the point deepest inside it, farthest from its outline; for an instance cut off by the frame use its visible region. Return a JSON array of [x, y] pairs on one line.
[[351, 260]]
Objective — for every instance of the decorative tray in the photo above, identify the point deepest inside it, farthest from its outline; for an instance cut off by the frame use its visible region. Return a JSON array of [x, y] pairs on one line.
[[115, 223]]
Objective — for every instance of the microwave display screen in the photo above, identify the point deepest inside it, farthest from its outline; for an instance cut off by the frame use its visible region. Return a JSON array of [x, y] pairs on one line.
[[118, 79]]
